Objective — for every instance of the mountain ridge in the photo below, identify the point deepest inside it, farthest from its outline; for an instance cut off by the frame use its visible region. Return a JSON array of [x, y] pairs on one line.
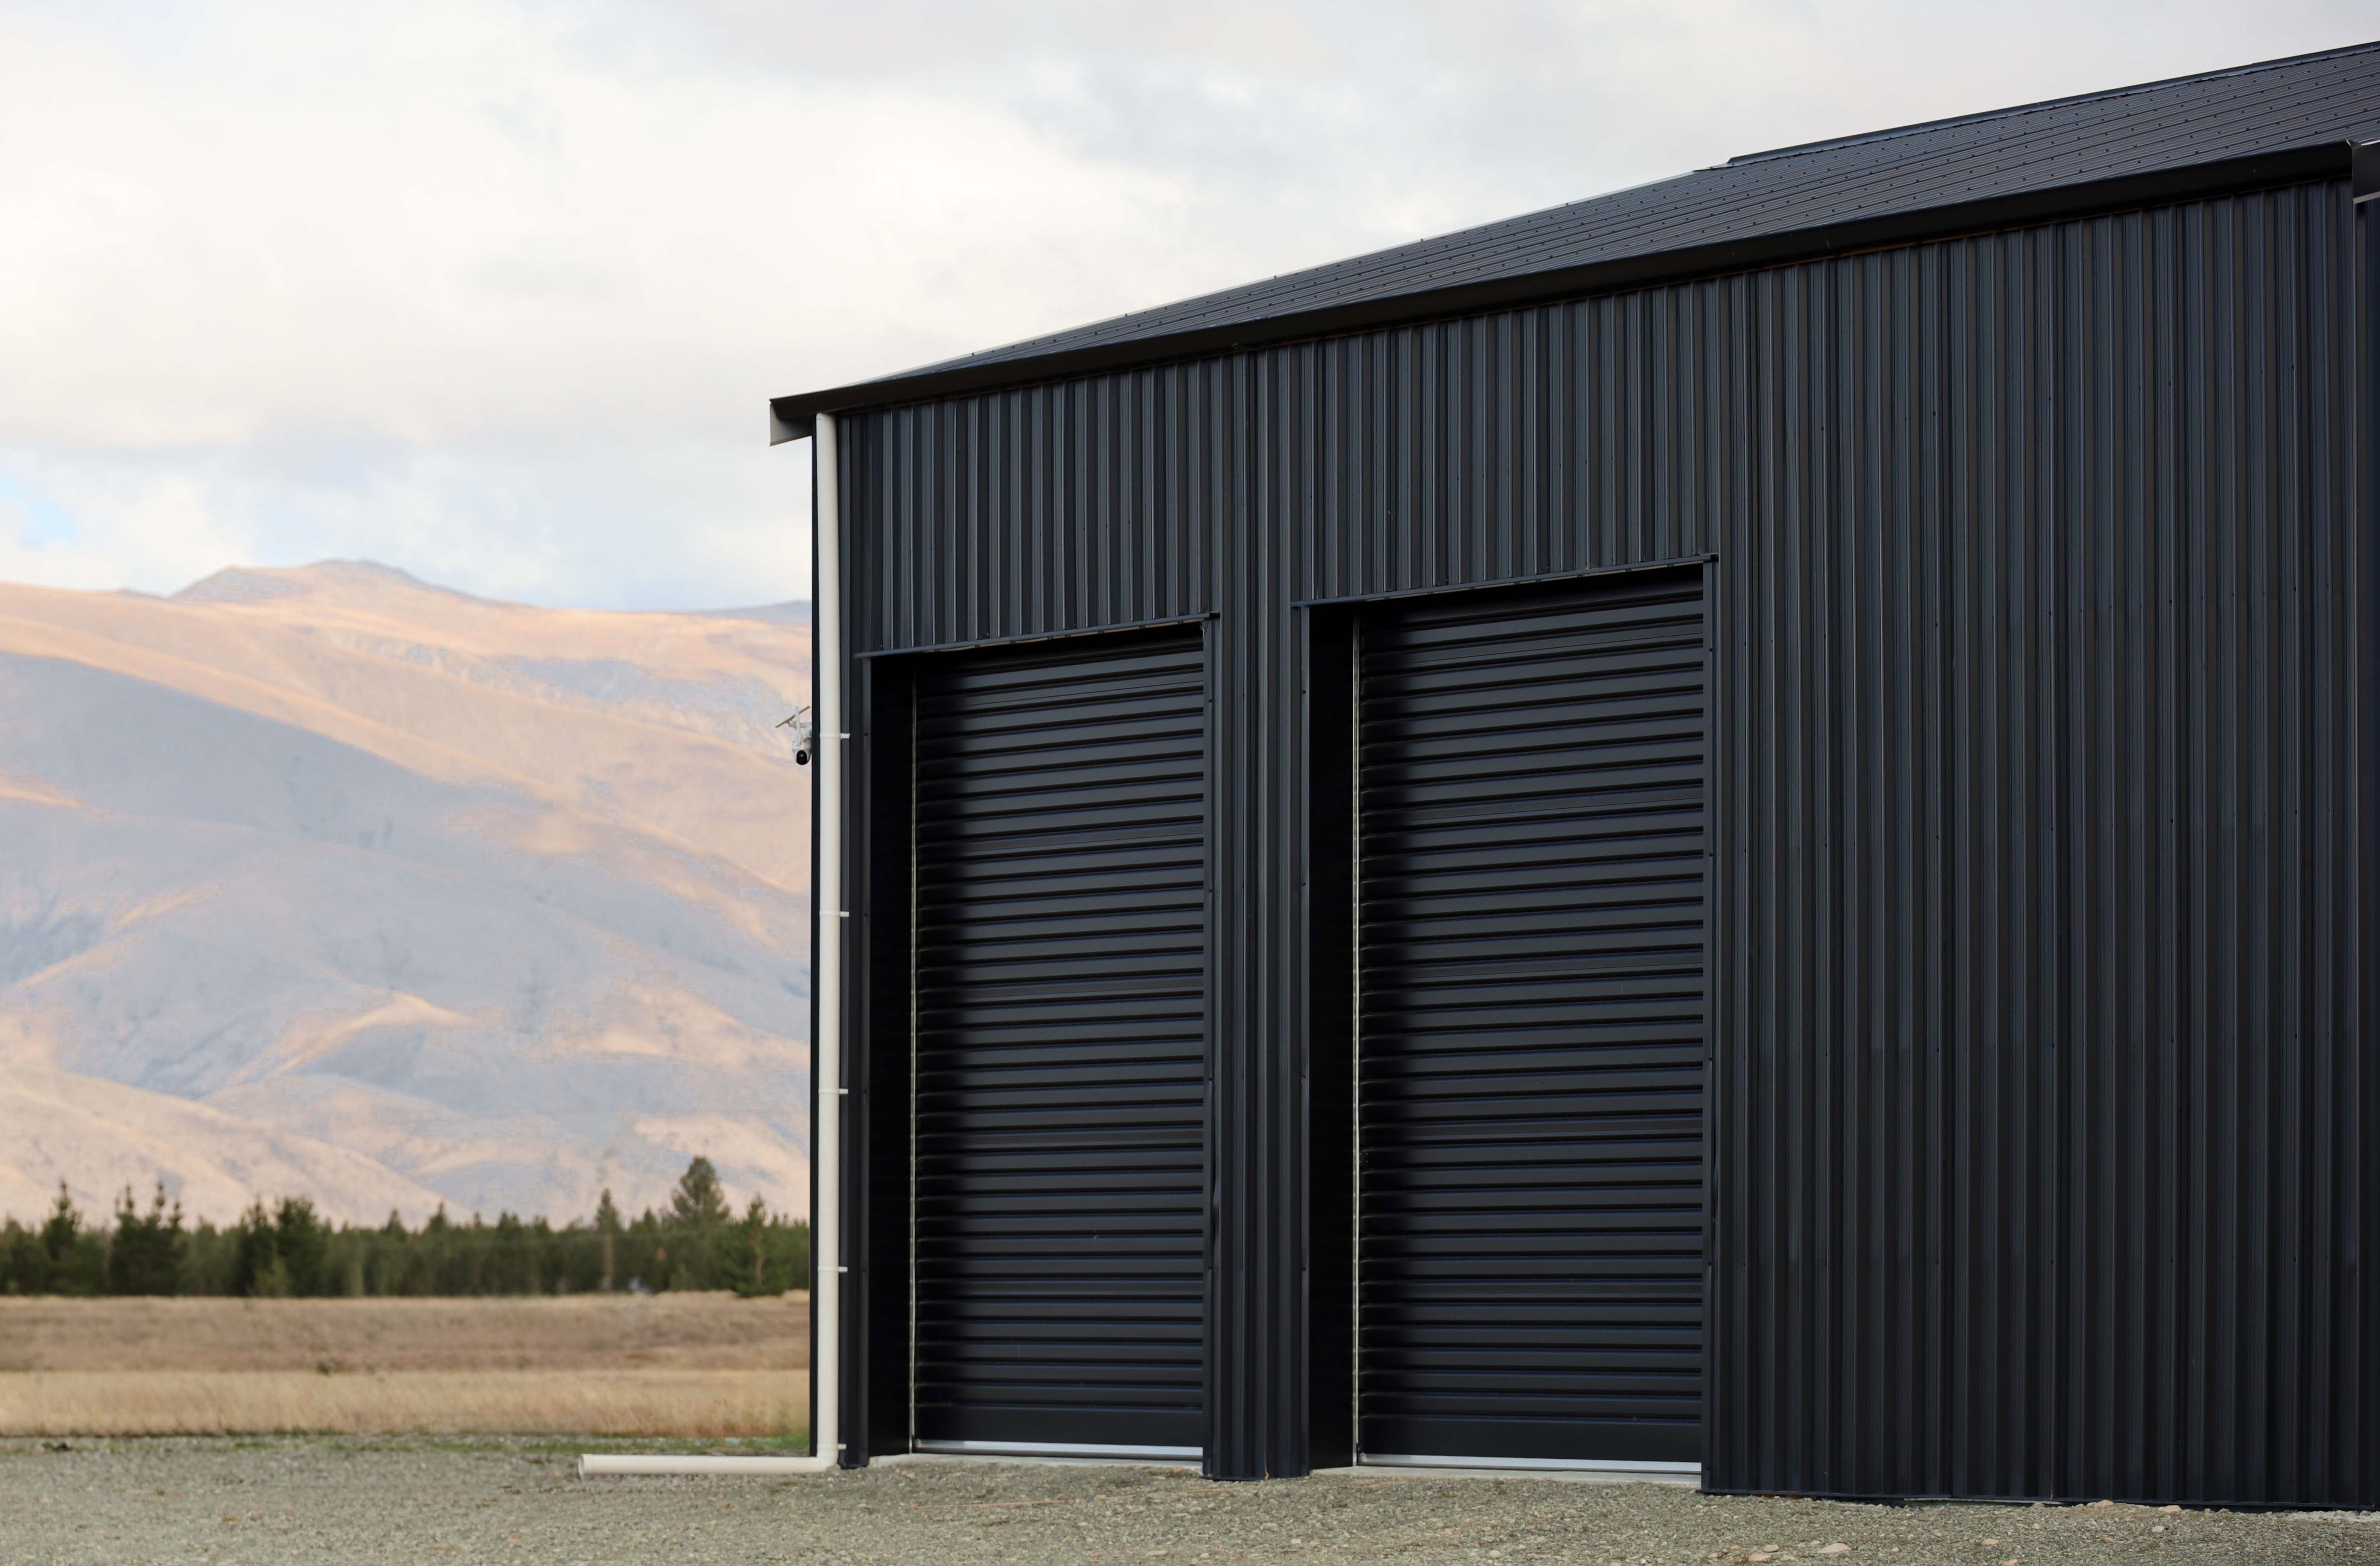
[[510, 903]]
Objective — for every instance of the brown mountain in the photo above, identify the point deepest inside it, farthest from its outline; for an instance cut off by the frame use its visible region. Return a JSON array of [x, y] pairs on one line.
[[329, 881]]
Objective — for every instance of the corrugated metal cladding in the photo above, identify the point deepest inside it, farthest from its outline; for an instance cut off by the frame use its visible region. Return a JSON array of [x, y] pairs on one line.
[[1529, 1047], [1060, 1032], [2043, 1133]]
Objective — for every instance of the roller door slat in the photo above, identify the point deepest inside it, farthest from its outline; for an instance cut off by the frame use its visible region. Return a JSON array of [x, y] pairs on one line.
[[1530, 778], [1058, 961]]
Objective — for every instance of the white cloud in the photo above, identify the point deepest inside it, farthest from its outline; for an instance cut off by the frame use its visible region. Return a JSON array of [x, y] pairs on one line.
[[496, 291]]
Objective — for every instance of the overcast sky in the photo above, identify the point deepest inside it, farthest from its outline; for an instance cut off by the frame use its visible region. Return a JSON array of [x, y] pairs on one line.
[[497, 292]]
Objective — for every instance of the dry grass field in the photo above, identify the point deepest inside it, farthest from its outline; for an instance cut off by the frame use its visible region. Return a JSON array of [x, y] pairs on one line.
[[610, 1364]]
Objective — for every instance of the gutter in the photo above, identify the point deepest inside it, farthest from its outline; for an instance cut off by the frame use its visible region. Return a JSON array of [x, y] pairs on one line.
[[827, 914], [790, 419]]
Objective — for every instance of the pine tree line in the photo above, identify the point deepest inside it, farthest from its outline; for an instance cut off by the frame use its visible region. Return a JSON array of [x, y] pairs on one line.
[[288, 1250]]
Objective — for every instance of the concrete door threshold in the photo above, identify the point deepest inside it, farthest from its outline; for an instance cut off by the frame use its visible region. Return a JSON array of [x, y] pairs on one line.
[[1675, 1474], [1051, 1460]]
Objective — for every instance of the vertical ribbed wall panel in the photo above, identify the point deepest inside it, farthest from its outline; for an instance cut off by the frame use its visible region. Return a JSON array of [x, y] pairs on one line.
[[2043, 1128], [2041, 1108]]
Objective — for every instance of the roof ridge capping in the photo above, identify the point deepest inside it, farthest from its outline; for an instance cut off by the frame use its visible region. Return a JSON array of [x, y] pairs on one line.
[[1983, 116]]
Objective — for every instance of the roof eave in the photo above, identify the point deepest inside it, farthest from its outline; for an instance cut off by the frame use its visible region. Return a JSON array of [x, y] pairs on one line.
[[793, 417]]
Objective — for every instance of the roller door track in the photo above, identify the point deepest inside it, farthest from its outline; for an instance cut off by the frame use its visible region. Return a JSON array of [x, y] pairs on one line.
[[1061, 1035], [1531, 1055]]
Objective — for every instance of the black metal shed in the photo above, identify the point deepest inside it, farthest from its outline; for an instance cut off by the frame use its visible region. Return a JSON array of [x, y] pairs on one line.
[[1731, 825]]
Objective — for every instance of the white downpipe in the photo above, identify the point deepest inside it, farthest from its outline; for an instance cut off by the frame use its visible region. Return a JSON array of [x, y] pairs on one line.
[[826, 1112], [826, 875]]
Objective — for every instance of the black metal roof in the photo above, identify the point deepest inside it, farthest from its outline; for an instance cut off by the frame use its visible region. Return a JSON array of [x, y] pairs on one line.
[[2254, 124]]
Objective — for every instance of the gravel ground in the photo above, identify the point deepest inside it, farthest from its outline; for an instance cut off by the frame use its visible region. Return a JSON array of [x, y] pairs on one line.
[[330, 1500]]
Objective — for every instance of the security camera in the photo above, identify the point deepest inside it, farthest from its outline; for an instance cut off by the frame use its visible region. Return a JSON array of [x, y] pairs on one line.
[[804, 735]]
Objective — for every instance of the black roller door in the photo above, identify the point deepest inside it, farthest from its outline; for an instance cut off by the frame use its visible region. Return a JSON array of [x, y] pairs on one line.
[[1530, 1057], [1060, 972]]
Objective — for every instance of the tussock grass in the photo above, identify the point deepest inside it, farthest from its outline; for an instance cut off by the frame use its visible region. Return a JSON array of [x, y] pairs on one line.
[[668, 1365], [430, 1402], [680, 1331]]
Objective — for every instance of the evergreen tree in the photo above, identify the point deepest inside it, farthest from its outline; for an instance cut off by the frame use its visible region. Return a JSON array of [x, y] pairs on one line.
[[210, 1261], [607, 1226], [145, 1254], [753, 1278], [257, 1268], [24, 1265], [286, 1247], [700, 1201], [76, 1258], [701, 1250], [303, 1241], [59, 1229]]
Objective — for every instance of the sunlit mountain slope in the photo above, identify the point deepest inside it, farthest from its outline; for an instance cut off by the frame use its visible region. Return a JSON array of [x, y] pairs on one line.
[[330, 875]]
